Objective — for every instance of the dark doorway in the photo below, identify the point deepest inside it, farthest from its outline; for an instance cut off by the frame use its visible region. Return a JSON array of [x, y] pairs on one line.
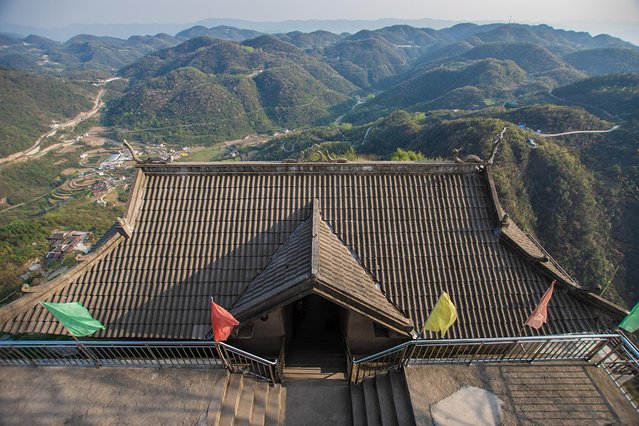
[[315, 338]]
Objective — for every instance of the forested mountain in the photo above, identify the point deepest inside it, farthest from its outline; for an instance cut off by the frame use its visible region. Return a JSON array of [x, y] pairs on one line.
[[222, 32], [82, 56], [314, 40], [488, 77], [605, 61], [232, 88], [617, 94]]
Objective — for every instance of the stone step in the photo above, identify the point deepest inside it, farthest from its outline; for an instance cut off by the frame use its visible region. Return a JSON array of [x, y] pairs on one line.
[[312, 373], [259, 404], [231, 400], [401, 398], [303, 359], [245, 409], [212, 416], [358, 405], [273, 405], [385, 400], [371, 400]]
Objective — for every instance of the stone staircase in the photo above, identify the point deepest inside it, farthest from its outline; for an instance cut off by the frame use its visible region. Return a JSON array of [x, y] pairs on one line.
[[311, 399], [248, 401], [382, 400], [307, 365]]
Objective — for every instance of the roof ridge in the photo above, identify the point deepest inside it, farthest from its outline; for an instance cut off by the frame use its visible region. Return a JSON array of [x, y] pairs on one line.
[[273, 258], [349, 289], [356, 258], [315, 218], [508, 229]]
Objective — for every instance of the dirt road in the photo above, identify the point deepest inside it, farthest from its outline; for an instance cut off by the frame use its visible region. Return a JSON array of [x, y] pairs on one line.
[[35, 148]]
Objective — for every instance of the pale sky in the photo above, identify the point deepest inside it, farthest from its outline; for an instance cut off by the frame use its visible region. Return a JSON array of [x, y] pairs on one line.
[[59, 13]]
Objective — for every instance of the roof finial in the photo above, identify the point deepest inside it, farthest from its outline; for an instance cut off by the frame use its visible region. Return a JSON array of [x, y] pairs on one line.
[[491, 159], [151, 160], [476, 159], [132, 151]]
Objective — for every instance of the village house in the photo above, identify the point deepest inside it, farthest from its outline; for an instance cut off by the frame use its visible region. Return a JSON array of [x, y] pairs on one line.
[[61, 243]]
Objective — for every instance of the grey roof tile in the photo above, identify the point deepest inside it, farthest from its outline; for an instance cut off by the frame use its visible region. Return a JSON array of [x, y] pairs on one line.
[[417, 230]]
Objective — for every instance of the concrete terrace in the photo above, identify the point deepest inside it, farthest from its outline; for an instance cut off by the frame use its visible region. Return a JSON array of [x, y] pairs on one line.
[[531, 394]]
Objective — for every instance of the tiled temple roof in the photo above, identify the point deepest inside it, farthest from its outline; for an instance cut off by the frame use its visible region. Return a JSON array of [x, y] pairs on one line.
[[314, 261], [194, 230]]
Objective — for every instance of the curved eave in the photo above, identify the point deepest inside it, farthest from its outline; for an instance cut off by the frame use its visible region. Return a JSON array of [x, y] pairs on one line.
[[534, 253], [102, 248]]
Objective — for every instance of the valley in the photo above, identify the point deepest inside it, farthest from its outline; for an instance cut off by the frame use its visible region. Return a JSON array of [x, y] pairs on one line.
[[567, 171]]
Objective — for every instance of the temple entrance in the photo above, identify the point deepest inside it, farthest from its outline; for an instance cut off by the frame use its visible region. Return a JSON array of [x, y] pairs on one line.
[[315, 335]]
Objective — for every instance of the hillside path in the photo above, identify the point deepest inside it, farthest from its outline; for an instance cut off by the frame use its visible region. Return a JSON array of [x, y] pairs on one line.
[[576, 132], [35, 148]]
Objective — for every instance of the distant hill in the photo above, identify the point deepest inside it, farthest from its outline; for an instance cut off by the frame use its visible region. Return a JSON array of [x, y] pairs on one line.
[[489, 77], [28, 104], [557, 41], [529, 57], [315, 40], [233, 88], [369, 58], [82, 56], [617, 94], [223, 32], [605, 61]]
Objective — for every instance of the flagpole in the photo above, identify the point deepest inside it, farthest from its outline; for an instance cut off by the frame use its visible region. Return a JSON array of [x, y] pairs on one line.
[[86, 351]]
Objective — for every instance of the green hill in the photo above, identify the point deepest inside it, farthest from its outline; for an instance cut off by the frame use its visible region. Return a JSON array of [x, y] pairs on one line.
[[529, 57], [28, 104], [618, 94], [557, 41], [233, 88], [490, 76], [222, 32], [82, 56], [605, 61], [366, 59], [308, 41]]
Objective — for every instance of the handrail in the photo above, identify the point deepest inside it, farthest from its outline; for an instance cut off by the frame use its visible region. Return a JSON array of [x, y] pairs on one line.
[[246, 354], [487, 340], [617, 355], [630, 346], [140, 353], [32, 343]]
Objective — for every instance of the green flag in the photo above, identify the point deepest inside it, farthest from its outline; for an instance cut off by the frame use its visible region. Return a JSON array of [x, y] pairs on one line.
[[75, 317], [631, 322]]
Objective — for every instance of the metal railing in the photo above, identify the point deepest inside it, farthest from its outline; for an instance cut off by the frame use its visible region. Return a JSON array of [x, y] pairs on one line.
[[239, 361], [96, 353], [620, 359], [614, 352]]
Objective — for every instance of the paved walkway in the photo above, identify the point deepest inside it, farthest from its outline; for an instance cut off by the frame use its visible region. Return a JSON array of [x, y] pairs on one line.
[[566, 394], [107, 396]]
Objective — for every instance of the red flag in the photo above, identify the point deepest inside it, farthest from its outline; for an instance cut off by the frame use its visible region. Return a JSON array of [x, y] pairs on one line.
[[223, 322], [540, 314]]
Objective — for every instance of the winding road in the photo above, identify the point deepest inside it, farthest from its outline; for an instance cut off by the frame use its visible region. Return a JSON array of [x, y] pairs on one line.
[[576, 132], [35, 148], [339, 119]]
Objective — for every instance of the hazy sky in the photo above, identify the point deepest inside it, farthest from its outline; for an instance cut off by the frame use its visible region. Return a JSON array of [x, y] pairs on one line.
[[59, 13]]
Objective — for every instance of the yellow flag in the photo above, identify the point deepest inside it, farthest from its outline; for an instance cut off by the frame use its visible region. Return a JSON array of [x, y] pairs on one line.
[[443, 316]]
